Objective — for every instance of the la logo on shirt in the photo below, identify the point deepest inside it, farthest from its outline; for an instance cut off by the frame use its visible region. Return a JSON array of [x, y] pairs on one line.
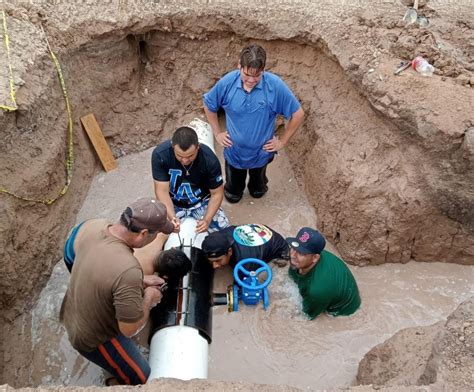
[[184, 192]]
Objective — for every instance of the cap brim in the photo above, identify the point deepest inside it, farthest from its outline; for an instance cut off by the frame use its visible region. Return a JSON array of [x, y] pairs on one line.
[[167, 228], [213, 255], [300, 248]]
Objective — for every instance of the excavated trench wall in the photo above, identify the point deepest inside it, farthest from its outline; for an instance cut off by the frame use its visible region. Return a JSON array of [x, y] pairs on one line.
[[377, 186]]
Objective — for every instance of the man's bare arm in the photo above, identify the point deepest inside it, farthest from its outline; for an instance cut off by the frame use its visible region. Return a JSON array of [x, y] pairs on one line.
[[215, 201], [277, 143], [222, 137], [162, 192], [151, 298]]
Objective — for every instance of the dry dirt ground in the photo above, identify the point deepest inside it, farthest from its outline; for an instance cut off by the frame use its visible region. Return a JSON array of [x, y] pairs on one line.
[[387, 161], [435, 355]]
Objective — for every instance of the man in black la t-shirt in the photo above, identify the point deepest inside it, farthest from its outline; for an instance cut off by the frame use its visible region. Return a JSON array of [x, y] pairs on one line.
[[236, 243], [188, 180]]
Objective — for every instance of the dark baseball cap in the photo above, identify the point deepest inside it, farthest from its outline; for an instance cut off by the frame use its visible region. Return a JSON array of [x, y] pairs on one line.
[[148, 213], [216, 244], [307, 241]]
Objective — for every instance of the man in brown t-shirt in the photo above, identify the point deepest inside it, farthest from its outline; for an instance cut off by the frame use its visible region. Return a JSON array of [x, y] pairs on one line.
[[109, 297]]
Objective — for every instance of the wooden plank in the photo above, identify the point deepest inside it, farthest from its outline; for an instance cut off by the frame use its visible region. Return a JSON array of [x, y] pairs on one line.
[[98, 141]]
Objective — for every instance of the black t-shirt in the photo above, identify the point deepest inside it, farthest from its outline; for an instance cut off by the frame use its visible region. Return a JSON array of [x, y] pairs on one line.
[[257, 241], [186, 190]]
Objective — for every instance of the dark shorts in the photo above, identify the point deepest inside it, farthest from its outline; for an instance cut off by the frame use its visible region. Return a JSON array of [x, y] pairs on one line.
[[121, 357]]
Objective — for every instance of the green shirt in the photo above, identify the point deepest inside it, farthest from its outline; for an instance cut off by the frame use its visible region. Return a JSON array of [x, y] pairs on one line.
[[329, 286]]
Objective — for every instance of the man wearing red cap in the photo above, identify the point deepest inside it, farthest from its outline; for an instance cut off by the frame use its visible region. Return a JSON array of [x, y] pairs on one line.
[[324, 281], [109, 298]]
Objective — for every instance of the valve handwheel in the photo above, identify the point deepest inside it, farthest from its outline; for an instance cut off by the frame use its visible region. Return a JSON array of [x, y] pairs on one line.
[[254, 283]]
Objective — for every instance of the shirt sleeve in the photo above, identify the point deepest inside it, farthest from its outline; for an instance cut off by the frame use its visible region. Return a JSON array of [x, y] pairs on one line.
[[276, 248], [215, 171], [213, 98], [159, 168], [128, 296], [285, 103]]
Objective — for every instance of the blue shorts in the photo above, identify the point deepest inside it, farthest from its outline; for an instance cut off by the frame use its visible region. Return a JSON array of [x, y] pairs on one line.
[[69, 253], [219, 220]]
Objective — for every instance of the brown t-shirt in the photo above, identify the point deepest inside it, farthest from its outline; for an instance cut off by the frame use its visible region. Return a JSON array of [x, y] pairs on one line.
[[106, 285]]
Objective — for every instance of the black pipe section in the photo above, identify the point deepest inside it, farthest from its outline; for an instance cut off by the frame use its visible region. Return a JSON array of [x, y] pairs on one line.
[[219, 299], [169, 312]]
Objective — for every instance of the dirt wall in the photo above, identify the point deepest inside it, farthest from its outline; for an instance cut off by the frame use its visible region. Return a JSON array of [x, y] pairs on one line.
[[438, 355], [386, 161]]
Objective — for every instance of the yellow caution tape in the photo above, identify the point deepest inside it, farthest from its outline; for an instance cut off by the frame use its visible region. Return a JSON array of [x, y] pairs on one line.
[[70, 151], [6, 39]]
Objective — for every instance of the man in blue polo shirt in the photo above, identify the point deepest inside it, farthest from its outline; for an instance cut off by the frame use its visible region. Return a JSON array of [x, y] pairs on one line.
[[252, 98]]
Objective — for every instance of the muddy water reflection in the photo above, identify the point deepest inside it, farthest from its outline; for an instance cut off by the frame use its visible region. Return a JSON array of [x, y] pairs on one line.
[[279, 346]]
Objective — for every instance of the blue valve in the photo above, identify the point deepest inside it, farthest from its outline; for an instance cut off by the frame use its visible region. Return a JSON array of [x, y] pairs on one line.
[[248, 288]]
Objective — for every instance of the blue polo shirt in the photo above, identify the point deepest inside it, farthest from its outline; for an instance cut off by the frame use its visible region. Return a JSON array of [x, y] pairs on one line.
[[250, 116]]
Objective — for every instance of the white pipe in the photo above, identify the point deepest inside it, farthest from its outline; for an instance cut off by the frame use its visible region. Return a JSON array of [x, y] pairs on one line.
[[204, 132], [180, 351], [187, 237]]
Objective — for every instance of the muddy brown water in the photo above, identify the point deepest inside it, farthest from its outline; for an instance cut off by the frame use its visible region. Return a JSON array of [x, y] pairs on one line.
[[278, 346]]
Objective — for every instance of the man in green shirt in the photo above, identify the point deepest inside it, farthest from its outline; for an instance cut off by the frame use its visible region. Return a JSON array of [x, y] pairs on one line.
[[324, 281]]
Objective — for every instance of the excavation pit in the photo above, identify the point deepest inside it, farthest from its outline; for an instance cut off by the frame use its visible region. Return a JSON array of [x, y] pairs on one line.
[[277, 347], [386, 168]]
